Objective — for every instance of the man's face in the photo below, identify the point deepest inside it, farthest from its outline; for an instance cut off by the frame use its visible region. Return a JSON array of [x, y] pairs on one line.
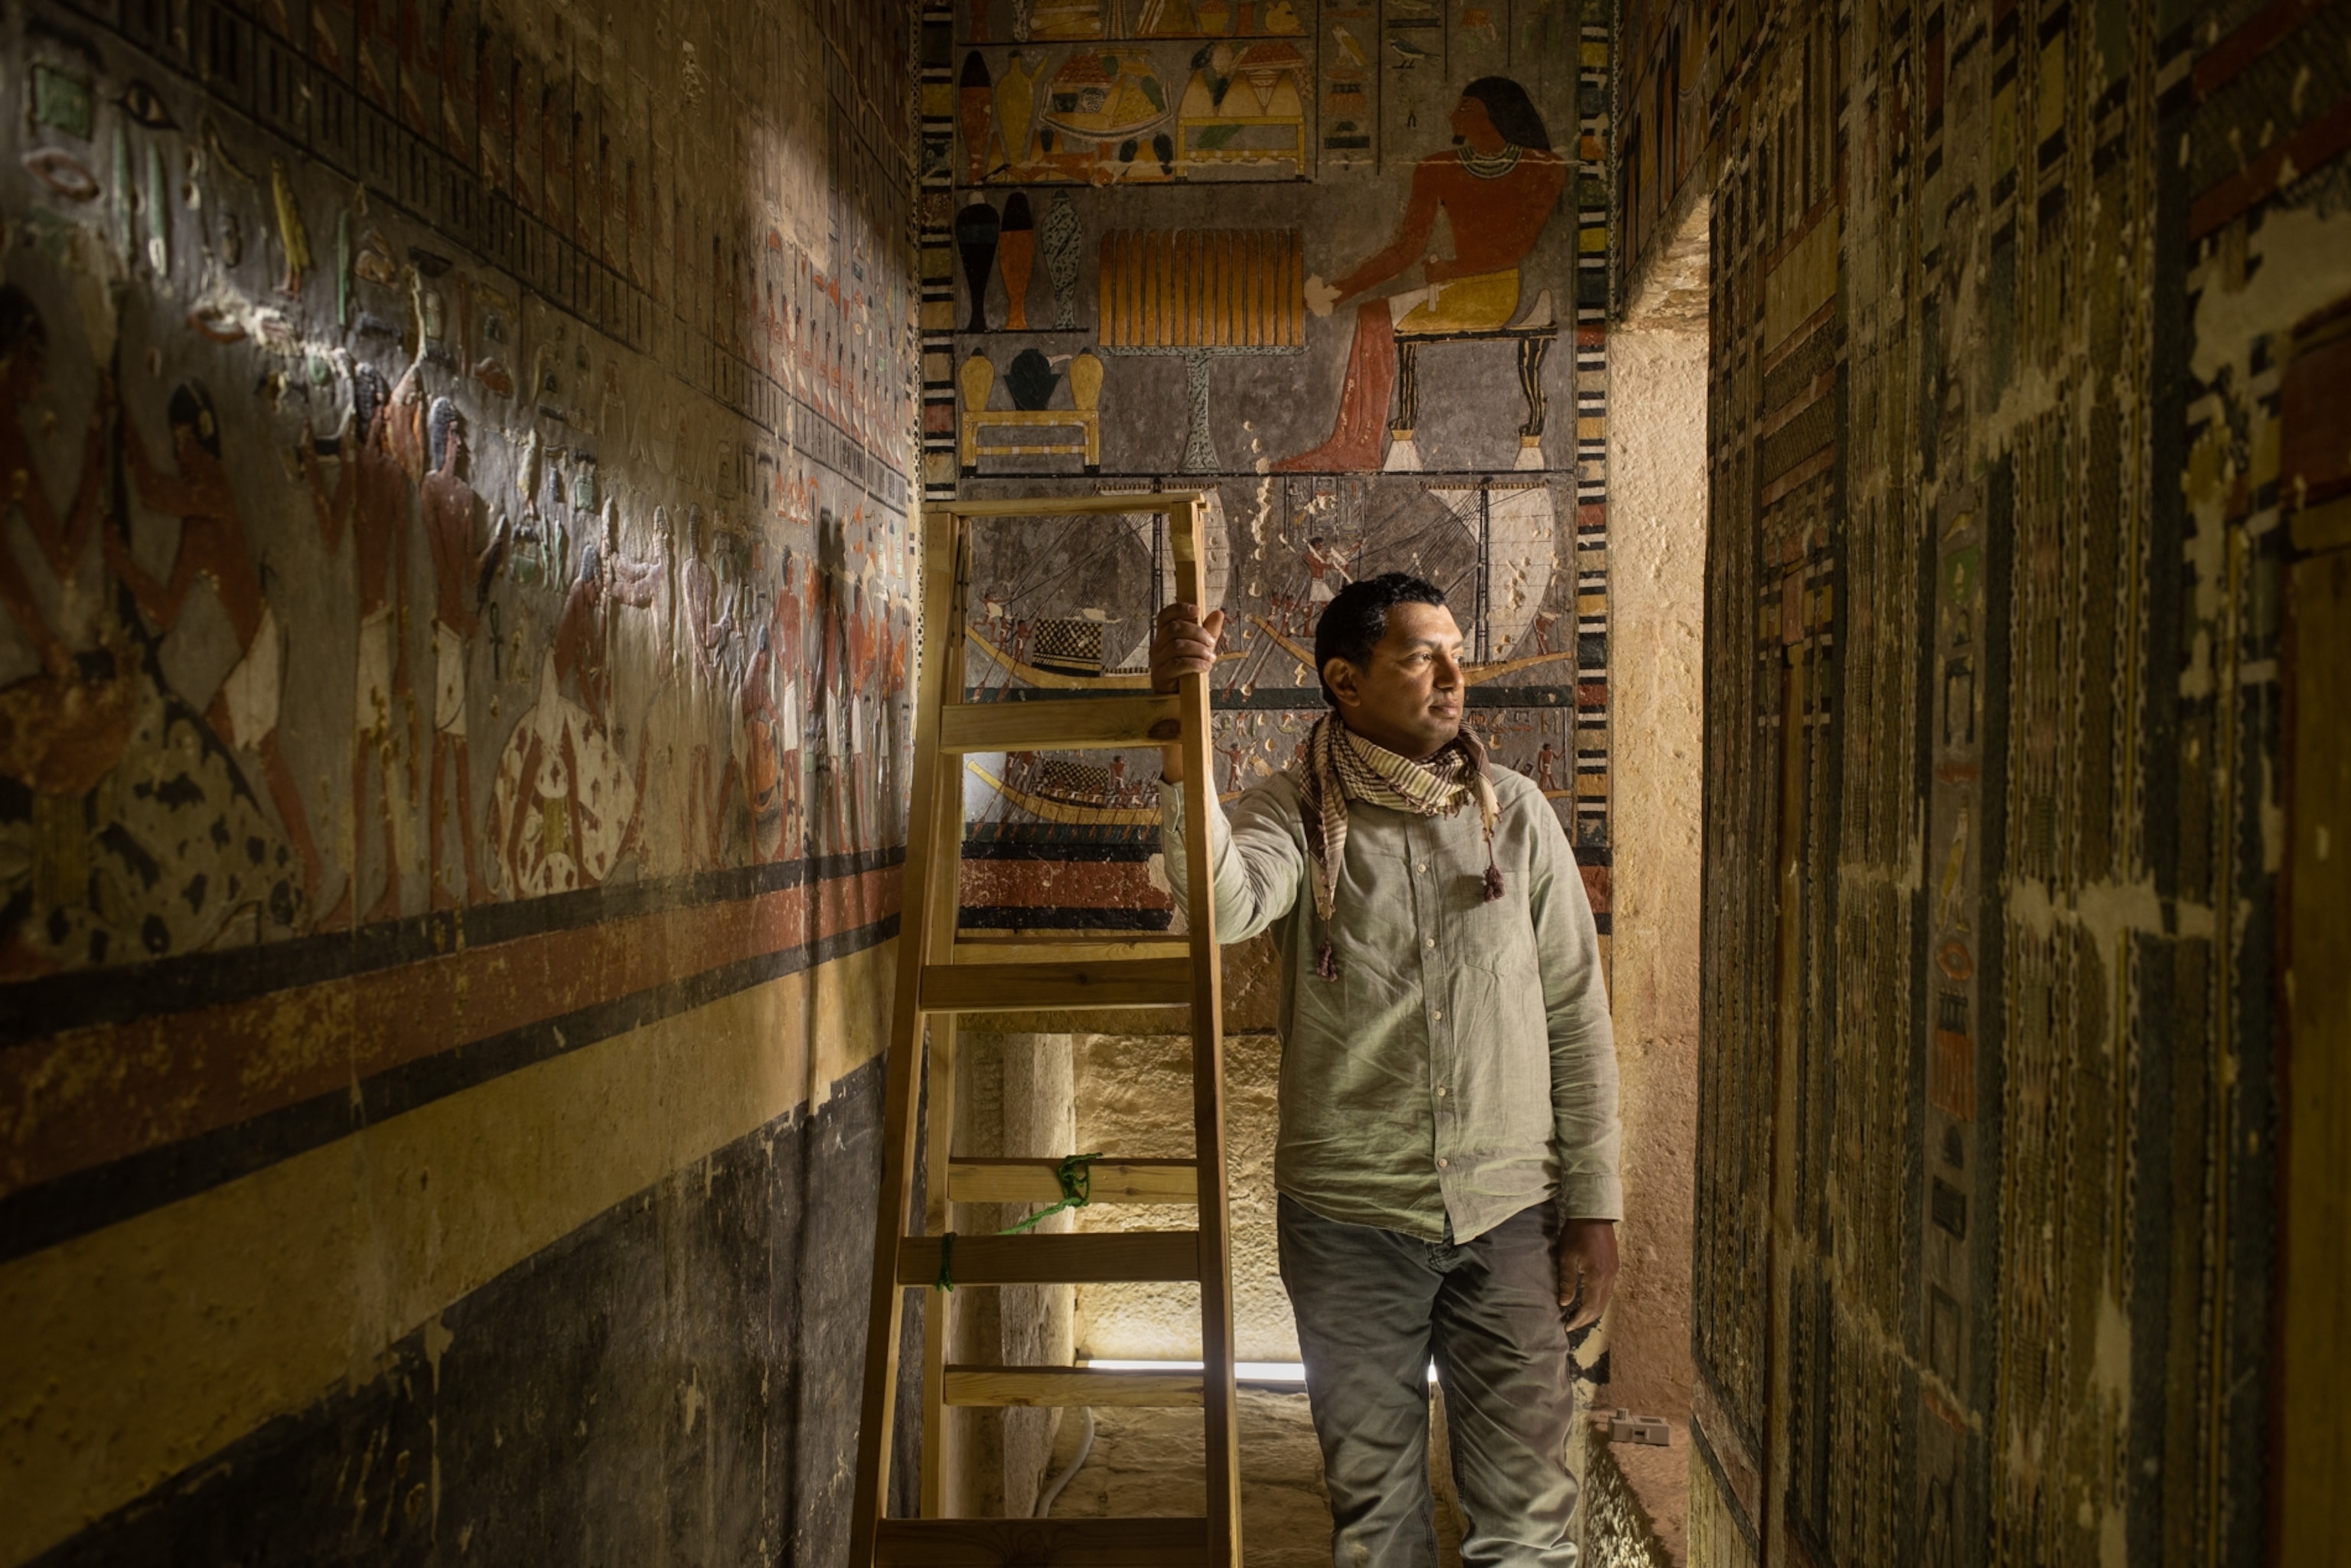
[[1409, 699], [1473, 125]]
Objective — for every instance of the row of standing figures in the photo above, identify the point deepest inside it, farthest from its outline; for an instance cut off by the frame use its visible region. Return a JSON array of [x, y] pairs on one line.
[[810, 689]]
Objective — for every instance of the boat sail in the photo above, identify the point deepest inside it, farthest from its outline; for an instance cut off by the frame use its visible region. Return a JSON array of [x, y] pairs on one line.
[[1519, 544], [1217, 539]]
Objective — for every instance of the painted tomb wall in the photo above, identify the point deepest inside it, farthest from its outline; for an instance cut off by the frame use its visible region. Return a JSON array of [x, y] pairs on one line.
[[2023, 421], [453, 642]]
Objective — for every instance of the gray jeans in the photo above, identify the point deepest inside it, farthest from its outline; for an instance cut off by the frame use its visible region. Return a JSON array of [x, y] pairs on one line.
[[1373, 1308]]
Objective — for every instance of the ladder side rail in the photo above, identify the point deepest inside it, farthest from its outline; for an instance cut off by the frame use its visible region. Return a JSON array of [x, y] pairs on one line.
[[944, 914], [938, 1306], [1220, 1447], [942, 610]]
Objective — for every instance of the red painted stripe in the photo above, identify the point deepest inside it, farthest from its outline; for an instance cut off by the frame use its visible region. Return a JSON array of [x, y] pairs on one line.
[[2308, 148], [1803, 473], [89, 1097], [2226, 59]]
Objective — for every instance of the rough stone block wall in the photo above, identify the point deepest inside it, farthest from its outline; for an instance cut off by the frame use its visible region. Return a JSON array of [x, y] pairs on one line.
[[1014, 1098], [454, 639], [2022, 315]]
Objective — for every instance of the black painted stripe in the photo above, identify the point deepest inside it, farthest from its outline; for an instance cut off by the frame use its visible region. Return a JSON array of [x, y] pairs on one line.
[[57, 1211], [1034, 852], [34, 1010], [1048, 918], [758, 1258]]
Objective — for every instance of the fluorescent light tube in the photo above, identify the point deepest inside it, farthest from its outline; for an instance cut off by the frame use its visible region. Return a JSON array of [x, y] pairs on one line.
[[1276, 1371]]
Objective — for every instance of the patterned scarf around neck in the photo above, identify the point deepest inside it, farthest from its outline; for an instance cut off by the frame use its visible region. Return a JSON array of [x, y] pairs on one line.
[[1341, 766]]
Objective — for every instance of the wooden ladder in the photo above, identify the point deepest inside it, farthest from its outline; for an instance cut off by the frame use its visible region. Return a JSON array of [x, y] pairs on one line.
[[939, 978]]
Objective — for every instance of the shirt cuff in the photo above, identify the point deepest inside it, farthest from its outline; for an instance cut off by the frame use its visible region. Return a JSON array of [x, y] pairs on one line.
[[1171, 815], [1591, 1198]]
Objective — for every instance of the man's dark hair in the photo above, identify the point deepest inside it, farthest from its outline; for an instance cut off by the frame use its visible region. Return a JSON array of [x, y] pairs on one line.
[[1511, 110], [1357, 617]]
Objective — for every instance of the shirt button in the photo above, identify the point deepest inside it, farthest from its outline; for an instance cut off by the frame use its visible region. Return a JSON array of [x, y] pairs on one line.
[[1432, 941], [1421, 866], [1441, 1091], [1437, 1016], [1441, 1162]]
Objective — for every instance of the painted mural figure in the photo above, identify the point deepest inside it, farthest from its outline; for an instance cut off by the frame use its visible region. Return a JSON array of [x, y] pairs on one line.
[[565, 803], [1326, 573], [856, 651], [789, 621], [1232, 751], [62, 729], [705, 636], [118, 797], [461, 576], [24, 369], [758, 759], [1497, 188], [212, 546], [828, 593], [370, 497]]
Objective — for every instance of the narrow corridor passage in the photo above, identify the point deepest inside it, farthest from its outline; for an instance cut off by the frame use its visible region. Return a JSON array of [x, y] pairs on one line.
[[463, 467]]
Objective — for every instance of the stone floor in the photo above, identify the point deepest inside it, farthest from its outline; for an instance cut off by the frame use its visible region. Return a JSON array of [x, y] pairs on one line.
[[1148, 1463]]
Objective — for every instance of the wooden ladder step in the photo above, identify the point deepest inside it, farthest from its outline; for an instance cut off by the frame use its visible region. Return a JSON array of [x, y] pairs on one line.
[[1042, 1542], [1109, 1181], [1064, 949], [1072, 1386], [1102, 1257], [1024, 988], [1070, 724]]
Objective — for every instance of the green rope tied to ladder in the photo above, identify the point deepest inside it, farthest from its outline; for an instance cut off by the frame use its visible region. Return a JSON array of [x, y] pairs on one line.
[[1076, 1176]]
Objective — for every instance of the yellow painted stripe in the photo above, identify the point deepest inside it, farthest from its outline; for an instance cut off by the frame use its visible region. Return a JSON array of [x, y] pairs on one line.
[[136, 1351]]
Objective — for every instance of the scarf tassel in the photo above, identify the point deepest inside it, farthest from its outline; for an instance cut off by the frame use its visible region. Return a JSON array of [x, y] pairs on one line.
[[1326, 963], [1493, 880]]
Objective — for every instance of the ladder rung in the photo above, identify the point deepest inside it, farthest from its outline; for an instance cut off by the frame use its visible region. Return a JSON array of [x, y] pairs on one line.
[[1109, 1181], [1117, 504], [1042, 1542], [1099, 1258], [1063, 950], [1023, 987], [1070, 1385], [1070, 724]]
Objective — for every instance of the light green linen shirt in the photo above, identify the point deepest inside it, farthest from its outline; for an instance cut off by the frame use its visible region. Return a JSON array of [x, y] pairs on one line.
[[1461, 1068]]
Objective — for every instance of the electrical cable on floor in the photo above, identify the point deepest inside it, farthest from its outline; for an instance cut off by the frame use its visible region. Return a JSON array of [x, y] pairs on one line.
[[1046, 1498]]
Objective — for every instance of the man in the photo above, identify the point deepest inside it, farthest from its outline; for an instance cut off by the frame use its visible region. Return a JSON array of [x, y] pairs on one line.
[[1447, 1160], [1497, 188]]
